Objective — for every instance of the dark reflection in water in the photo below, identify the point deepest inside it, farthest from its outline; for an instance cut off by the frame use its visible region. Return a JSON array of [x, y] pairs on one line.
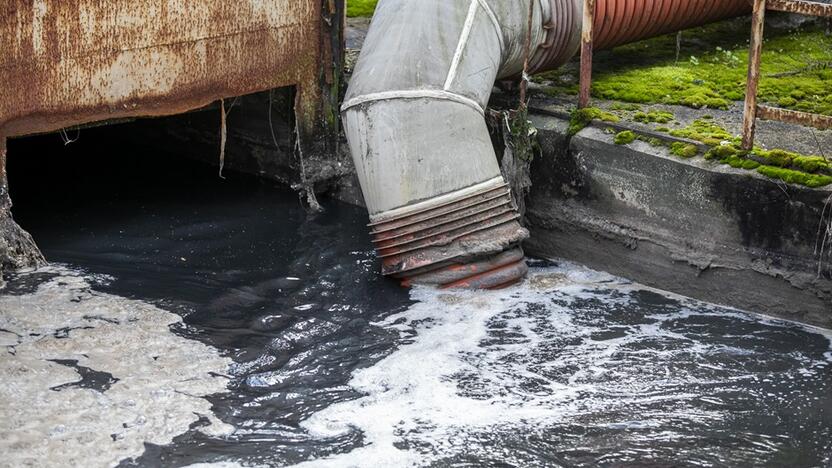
[[574, 368]]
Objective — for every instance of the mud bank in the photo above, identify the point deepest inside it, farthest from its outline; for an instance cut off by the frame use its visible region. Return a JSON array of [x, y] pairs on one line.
[[689, 226]]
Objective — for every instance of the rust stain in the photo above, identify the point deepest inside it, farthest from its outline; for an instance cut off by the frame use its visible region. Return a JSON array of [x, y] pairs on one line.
[[819, 121], [70, 62], [801, 7], [424, 247]]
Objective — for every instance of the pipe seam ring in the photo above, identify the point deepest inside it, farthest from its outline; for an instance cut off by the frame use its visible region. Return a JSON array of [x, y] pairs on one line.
[[412, 94]]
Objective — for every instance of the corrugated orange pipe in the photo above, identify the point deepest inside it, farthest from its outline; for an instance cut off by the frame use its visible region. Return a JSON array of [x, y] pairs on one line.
[[620, 22]]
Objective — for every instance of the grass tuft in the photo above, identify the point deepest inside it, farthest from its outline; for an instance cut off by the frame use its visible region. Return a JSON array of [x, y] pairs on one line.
[[363, 8]]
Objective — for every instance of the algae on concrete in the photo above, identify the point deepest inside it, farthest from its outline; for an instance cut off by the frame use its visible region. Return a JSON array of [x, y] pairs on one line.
[[582, 117], [809, 170], [624, 138], [662, 117]]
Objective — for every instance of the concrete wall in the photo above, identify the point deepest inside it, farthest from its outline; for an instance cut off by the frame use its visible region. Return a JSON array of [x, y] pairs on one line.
[[689, 226]]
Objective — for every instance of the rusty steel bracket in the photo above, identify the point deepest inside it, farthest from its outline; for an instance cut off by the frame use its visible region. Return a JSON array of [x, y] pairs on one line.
[[801, 7], [752, 111], [803, 118]]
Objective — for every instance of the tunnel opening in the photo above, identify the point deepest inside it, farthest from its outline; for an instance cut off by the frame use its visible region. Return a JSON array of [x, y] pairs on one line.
[[69, 187]]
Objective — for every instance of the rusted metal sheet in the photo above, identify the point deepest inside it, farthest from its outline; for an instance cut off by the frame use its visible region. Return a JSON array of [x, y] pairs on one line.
[[801, 7], [70, 62], [749, 120], [587, 34], [819, 121]]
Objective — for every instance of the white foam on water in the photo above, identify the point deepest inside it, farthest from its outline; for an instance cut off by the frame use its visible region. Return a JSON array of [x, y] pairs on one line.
[[451, 380], [162, 378]]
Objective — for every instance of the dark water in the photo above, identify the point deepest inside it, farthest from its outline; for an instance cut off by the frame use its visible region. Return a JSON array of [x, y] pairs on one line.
[[334, 364]]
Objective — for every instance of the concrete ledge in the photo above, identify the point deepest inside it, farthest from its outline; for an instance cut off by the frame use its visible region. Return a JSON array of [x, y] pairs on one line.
[[693, 227]]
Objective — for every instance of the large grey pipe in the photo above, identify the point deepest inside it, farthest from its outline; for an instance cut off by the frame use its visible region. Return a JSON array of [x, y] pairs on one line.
[[413, 114], [440, 210]]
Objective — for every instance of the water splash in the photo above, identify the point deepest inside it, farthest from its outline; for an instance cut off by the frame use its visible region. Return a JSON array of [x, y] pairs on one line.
[[579, 367]]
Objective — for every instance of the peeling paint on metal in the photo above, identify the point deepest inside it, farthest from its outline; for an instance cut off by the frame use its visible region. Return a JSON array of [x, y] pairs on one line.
[[73, 62]]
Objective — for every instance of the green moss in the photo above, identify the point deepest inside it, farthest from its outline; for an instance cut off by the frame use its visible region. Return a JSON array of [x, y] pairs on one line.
[[788, 159], [812, 163], [705, 131], [684, 150], [625, 107], [653, 117], [625, 138], [795, 69], [790, 167], [655, 142], [740, 162], [663, 129], [582, 117], [795, 177], [721, 152], [361, 7]]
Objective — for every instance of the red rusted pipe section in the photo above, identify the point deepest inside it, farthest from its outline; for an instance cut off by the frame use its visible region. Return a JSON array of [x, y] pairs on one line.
[[620, 22]]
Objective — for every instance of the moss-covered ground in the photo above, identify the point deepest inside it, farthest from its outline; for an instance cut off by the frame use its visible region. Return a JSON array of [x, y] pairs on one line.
[[582, 117], [809, 170], [711, 69], [361, 7]]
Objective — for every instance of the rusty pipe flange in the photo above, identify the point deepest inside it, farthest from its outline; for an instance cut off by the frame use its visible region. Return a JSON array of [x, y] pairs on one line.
[[468, 238], [494, 272]]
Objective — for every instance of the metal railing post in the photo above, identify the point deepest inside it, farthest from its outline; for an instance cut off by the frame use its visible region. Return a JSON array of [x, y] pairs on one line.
[[749, 122], [586, 53]]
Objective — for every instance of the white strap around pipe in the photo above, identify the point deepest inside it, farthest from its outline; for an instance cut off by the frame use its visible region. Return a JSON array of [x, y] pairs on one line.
[[463, 41], [413, 94]]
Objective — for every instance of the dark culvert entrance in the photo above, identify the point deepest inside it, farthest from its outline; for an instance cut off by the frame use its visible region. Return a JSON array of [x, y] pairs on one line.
[[145, 201]]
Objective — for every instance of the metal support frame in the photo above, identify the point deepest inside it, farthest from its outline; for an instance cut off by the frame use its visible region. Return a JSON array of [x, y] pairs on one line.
[[587, 34], [752, 110]]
